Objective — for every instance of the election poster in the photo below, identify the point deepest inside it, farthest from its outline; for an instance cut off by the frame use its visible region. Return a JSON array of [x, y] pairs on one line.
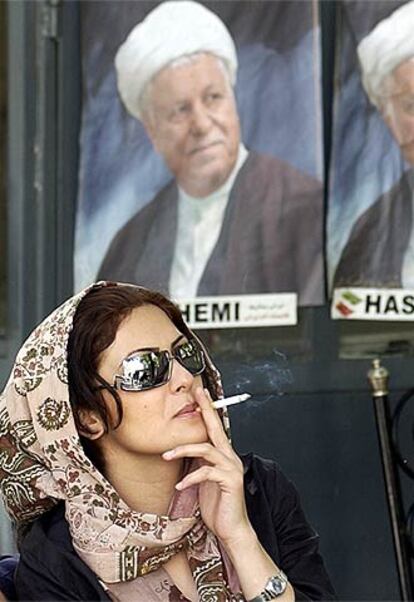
[[370, 219], [201, 150]]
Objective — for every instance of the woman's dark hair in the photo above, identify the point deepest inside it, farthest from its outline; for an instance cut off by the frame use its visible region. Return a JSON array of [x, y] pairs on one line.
[[95, 324]]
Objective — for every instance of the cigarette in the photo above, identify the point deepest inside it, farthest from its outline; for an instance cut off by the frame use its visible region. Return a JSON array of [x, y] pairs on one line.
[[229, 401]]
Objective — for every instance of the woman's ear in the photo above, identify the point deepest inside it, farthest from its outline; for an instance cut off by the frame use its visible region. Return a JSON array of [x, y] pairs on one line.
[[92, 426]]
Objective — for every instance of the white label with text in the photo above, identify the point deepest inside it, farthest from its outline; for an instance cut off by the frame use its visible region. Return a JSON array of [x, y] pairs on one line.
[[235, 311], [392, 304]]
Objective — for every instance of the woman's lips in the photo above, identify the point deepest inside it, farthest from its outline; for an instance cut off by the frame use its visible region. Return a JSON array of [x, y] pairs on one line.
[[187, 411]]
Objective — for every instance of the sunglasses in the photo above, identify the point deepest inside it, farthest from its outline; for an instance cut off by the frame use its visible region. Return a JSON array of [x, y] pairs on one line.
[[147, 369]]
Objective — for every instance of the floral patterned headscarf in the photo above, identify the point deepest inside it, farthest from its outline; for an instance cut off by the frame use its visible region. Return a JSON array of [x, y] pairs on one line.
[[42, 461]]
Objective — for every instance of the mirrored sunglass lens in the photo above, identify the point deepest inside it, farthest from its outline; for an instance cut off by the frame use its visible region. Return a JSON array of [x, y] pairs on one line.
[[145, 370], [190, 355]]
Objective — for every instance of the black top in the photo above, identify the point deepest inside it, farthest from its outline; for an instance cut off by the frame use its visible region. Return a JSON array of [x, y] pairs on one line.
[[50, 569]]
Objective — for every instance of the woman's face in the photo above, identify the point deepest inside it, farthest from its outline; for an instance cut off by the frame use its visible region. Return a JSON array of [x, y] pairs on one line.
[[153, 420]]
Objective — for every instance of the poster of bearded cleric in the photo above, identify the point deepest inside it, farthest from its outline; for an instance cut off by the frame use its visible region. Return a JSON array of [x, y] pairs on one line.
[[201, 154], [370, 222]]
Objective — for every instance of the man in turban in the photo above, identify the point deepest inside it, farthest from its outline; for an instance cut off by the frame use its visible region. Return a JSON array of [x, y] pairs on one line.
[[231, 221], [380, 249]]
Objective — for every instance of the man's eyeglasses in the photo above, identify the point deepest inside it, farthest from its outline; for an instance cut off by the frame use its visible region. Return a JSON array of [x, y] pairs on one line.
[[147, 369]]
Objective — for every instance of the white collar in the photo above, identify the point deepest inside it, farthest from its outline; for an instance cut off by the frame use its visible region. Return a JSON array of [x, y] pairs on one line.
[[198, 206]]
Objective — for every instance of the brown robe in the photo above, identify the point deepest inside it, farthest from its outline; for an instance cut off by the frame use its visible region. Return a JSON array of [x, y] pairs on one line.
[[374, 253]]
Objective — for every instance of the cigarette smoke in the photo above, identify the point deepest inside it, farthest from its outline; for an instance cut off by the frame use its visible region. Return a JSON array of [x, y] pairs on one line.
[[259, 378]]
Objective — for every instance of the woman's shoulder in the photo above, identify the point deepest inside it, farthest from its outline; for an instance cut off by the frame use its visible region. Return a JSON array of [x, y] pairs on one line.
[[275, 510], [49, 567], [48, 532], [259, 463], [265, 472]]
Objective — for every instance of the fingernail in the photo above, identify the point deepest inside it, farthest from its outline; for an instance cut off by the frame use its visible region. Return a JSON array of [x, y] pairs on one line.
[[179, 485], [168, 454]]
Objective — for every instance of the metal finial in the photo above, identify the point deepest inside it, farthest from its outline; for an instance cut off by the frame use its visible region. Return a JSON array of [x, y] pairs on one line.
[[378, 378]]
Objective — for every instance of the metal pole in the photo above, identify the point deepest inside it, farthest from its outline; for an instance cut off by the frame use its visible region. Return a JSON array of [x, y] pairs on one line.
[[378, 377]]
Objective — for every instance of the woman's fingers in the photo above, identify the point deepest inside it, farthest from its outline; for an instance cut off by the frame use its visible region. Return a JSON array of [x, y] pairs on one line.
[[212, 420], [208, 452], [219, 452], [227, 480]]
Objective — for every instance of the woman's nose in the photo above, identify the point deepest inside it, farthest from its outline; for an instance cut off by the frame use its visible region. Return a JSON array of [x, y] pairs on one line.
[[181, 378]]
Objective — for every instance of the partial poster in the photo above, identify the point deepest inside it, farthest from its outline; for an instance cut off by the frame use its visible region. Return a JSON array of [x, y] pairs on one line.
[[370, 221], [201, 155]]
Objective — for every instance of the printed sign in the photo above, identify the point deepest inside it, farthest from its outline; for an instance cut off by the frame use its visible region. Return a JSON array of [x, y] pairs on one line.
[[235, 311], [393, 304], [370, 234]]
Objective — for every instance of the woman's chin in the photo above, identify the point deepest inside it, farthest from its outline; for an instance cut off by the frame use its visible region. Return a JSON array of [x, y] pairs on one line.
[[195, 435]]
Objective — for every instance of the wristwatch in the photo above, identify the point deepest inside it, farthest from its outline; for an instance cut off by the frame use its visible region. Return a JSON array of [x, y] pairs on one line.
[[273, 588]]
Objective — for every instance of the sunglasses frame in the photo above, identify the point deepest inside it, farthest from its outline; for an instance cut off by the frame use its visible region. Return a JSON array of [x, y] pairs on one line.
[[119, 379]]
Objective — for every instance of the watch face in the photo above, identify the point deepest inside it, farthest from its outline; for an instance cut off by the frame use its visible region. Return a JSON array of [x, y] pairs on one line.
[[278, 584]]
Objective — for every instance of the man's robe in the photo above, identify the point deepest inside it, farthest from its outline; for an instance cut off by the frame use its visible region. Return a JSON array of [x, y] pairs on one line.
[[374, 253], [270, 241]]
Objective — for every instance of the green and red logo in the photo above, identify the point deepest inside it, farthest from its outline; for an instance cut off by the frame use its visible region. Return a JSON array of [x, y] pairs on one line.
[[347, 302]]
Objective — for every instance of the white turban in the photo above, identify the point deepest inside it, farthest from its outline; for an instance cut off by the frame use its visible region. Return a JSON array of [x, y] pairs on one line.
[[173, 29], [390, 43]]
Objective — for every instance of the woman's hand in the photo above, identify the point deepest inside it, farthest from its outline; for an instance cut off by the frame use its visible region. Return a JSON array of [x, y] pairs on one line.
[[220, 478], [222, 504]]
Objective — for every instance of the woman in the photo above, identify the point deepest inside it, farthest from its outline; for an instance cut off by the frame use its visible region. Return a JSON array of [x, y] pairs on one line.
[[121, 477]]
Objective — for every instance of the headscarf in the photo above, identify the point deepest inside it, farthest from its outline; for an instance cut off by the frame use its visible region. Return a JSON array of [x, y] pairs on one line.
[[173, 29], [389, 44], [42, 461]]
